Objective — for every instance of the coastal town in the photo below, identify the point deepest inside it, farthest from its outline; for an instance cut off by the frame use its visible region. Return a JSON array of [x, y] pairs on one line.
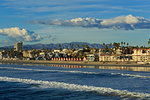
[[116, 52]]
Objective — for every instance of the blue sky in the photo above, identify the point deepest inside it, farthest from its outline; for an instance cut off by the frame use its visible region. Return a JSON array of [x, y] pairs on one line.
[[114, 21]]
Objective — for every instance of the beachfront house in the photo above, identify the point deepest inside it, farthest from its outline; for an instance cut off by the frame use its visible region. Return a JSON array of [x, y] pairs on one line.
[[92, 57], [141, 55], [108, 58], [115, 58]]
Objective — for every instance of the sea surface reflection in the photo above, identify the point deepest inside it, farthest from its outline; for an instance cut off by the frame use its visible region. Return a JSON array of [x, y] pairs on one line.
[[110, 67], [129, 68]]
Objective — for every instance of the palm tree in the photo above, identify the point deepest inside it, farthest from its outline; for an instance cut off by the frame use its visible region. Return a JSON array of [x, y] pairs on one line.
[[142, 47], [121, 43], [137, 47], [149, 42], [110, 44], [124, 43], [60, 46], [116, 45], [103, 44], [105, 48], [8, 52], [130, 49], [72, 46], [12, 52], [127, 44], [77, 46]]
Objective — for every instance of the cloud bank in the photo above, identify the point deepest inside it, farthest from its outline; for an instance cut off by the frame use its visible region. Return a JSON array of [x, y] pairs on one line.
[[20, 34], [122, 22]]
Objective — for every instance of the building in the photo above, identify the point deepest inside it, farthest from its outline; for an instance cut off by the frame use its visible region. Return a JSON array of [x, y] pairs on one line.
[[141, 55], [118, 51], [92, 57], [28, 54], [109, 58], [1, 55], [56, 51], [18, 46]]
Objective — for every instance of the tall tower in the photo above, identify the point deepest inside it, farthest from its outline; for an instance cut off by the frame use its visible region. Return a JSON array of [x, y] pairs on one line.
[[18, 46]]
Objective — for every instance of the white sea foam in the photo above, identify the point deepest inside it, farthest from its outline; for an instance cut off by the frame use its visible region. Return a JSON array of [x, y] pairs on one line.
[[76, 87], [121, 74], [131, 75], [139, 76]]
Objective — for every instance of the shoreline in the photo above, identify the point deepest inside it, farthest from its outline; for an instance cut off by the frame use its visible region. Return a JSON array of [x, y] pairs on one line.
[[87, 63]]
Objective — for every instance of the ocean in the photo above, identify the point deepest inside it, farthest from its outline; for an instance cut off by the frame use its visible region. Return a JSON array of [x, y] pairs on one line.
[[73, 82]]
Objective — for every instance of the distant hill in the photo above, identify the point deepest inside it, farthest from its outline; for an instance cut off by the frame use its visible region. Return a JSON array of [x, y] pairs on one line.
[[57, 45]]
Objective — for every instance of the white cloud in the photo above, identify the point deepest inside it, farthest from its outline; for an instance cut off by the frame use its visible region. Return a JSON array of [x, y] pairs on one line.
[[126, 22], [122, 19], [83, 22], [122, 22], [20, 34]]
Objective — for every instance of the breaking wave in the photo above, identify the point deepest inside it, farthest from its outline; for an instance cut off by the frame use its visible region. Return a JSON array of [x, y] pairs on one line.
[[132, 75], [96, 73], [75, 87]]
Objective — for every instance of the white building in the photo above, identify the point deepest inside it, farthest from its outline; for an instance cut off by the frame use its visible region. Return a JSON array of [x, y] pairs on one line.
[[56, 51], [118, 51], [91, 57], [141, 55], [109, 58], [115, 58]]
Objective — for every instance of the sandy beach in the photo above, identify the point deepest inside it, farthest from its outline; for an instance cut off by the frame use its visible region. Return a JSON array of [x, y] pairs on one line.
[[74, 63]]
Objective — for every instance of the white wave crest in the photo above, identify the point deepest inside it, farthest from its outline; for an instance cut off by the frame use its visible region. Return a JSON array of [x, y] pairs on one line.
[[131, 75], [121, 74], [76, 87], [136, 76]]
